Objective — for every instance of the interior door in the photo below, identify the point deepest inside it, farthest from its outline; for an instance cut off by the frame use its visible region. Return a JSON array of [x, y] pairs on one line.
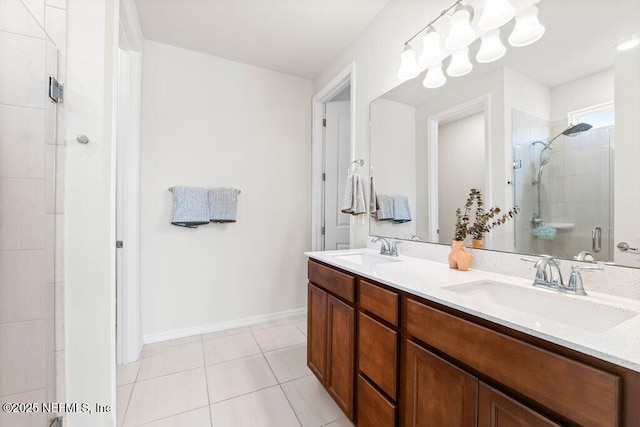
[[337, 144]]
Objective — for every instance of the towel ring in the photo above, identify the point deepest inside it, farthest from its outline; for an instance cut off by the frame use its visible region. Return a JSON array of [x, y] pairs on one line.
[[357, 163]]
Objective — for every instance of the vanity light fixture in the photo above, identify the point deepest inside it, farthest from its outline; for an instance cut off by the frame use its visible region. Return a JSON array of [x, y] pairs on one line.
[[461, 34], [431, 51], [528, 29], [460, 64], [628, 44], [409, 67], [491, 48], [435, 77], [495, 13]]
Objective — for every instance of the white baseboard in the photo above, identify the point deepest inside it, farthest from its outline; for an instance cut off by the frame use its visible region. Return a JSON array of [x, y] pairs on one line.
[[214, 327]]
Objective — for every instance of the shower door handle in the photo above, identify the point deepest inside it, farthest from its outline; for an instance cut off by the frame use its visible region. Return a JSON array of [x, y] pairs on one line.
[[624, 247], [596, 239]]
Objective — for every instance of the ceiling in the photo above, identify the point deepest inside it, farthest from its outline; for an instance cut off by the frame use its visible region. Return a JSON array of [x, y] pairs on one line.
[[298, 37], [579, 41]]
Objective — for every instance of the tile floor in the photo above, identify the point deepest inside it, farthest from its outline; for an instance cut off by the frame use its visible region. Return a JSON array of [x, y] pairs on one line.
[[250, 376]]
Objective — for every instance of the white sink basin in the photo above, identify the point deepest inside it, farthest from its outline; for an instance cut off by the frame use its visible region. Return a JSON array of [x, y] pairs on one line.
[[367, 259], [583, 314]]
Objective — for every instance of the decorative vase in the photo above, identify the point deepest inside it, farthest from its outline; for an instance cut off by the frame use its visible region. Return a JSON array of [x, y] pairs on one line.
[[459, 257], [476, 243]]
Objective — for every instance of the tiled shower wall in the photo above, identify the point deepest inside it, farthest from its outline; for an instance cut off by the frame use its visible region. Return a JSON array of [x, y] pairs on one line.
[[576, 187], [32, 153]]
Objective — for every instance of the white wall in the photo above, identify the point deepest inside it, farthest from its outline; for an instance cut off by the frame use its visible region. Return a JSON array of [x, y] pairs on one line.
[[211, 122], [392, 133], [586, 92], [92, 32], [461, 153]]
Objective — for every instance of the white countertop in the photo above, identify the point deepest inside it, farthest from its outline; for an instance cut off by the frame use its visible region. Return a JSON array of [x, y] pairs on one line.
[[428, 279]]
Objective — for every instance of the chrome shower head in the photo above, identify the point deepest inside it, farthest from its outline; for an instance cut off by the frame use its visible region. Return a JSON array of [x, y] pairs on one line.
[[574, 130], [544, 161]]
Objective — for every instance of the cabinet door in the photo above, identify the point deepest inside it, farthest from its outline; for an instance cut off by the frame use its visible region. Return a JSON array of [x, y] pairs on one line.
[[497, 410], [437, 392], [340, 353], [317, 332]]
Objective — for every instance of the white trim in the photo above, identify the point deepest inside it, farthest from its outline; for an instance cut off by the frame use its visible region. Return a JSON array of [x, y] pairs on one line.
[[432, 156], [221, 326], [345, 78], [128, 283], [572, 116]]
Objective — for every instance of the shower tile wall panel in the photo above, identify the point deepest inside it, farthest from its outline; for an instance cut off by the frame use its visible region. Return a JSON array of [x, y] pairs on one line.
[[526, 129], [32, 155], [576, 186]]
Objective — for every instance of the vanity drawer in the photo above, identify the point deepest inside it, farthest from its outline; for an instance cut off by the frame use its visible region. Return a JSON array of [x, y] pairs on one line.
[[374, 410], [378, 353], [574, 390], [378, 301], [336, 282]]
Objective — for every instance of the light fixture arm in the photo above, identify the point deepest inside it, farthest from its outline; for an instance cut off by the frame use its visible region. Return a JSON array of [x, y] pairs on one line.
[[443, 13]]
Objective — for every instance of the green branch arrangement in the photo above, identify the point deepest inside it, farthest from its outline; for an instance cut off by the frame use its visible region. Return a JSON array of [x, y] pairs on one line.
[[484, 221]]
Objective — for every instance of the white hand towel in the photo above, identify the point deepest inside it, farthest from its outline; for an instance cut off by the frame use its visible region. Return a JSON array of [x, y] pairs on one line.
[[223, 204], [190, 206], [353, 199]]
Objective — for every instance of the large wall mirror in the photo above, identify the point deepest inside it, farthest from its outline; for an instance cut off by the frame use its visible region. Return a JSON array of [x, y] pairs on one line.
[[509, 129]]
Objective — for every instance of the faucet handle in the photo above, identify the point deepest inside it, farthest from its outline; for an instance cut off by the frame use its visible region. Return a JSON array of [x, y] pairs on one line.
[[575, 285], [393, 247]]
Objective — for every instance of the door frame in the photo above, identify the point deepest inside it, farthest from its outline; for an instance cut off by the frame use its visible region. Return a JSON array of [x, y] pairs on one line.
[[128, 223], [343, 79], [433, 122]]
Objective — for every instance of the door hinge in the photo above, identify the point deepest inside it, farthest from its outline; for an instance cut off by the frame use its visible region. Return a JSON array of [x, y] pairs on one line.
[[323, 230], [56, 90], [517, 164], [119, 244], [324, 123], [324, 176]]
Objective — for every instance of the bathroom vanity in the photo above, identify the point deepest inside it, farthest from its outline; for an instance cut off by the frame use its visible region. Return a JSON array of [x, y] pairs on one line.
[[408, 342]]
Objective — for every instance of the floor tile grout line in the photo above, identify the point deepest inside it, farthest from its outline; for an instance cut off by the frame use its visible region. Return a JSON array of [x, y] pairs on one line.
[[290, 404], [171, 373], [169, 416], [206, 382], [245, 394]]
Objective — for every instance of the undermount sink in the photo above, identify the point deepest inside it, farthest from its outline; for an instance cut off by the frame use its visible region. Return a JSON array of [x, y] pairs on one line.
[[583, 314], [367, 259]]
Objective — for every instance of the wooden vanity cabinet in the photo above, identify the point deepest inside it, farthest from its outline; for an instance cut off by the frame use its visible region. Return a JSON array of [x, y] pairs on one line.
[[331, 332], [391, 358]]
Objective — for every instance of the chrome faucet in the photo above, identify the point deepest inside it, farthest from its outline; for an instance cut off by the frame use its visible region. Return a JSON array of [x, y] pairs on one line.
[[549, 276], [389, 248]]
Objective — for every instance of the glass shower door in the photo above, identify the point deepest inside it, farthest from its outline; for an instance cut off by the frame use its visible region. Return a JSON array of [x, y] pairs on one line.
[[31, 347]]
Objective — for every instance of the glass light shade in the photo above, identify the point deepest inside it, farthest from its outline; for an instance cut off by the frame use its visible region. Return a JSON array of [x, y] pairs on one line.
[[460, 64], [409, 67], [528, 29], [491, 48], [431, 51], [461, 34], [628, 44], [496, 13], [435, 77]]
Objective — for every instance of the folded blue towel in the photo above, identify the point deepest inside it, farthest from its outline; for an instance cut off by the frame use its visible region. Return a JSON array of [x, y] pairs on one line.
[[190, 206], [223, 203], [401, 213], [385, 207]]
